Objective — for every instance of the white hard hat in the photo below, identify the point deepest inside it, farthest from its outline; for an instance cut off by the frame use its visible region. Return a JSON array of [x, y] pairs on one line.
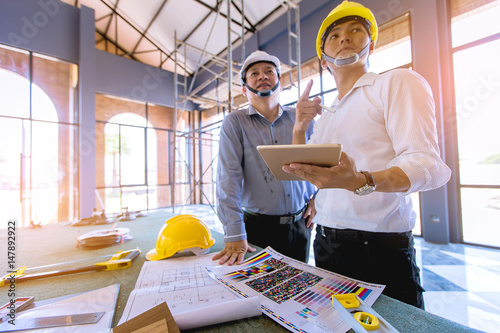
[[255, 57]]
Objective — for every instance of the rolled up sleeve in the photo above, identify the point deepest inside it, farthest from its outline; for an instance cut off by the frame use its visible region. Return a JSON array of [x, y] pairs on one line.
[[411, 124]]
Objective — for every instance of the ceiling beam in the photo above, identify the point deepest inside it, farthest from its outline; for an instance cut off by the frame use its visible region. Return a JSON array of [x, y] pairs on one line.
[[149, 26], [184, 40], [215, 10], [116, 45], [252, 27], [140, 32], [113, 12]]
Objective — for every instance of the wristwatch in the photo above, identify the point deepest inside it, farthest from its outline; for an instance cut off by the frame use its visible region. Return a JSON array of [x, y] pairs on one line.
[[370, 185]]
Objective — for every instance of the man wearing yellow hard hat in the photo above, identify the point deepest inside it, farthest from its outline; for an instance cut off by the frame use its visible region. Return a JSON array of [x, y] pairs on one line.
[[386, 125], [252, 205]]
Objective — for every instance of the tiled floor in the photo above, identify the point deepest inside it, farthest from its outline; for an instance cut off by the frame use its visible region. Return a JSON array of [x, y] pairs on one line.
[[462, 282]]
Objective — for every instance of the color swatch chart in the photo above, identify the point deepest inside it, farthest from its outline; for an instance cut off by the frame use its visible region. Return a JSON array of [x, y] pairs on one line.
[[265, 264], [294, 294], [319, 297]]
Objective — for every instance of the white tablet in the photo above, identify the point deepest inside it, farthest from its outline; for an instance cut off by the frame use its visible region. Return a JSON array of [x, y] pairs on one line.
[[276, 156]]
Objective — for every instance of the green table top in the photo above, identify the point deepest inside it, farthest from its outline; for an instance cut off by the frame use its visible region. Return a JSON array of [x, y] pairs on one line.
[[56, 243]]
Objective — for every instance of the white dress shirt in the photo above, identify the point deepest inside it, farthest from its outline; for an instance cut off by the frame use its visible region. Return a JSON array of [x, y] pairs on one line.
[[383, 121]]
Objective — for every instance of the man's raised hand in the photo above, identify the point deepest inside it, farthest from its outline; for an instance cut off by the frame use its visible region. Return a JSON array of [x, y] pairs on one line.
[[306, 111]]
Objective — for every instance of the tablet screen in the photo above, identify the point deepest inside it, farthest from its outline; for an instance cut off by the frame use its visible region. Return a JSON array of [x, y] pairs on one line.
[[276, 156]]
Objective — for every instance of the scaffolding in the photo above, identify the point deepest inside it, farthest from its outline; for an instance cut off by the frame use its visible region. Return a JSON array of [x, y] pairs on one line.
[[226, 75]]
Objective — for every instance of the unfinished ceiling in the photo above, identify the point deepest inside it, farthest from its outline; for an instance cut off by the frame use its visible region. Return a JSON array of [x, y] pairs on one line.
[[145, 30]]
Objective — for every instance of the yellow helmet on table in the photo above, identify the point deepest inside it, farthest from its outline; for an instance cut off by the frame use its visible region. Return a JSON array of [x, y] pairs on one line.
[[347, 10], [181, 233]]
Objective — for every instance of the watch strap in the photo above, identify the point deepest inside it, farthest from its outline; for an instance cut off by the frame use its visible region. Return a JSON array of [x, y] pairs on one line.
[[370, 185], [370, 181]]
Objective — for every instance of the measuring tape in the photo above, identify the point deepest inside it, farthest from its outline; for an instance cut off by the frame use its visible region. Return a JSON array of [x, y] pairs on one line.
[[120, 260], [361, 317]]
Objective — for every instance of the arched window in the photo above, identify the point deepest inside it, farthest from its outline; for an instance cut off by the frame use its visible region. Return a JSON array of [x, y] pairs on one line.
[[38, 166], [134, 155]]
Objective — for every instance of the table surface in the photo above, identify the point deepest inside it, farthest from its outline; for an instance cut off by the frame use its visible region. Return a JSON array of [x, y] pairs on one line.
[[56, 243]]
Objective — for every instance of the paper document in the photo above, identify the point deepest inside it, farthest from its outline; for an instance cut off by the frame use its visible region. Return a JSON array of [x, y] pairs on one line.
[[99, 300], [194, 299], [295, 295]]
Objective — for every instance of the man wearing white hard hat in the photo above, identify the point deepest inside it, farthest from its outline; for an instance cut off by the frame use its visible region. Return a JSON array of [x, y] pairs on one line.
[[387, 127], [252, 205]]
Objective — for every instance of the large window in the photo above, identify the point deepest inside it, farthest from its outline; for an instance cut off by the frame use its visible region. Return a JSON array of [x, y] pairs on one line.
[[135, 149], [209, 150], [476, 44], [38, 138]]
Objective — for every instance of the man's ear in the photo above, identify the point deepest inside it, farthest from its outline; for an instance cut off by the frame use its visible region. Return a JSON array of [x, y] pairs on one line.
[[244, 91], [372, 47], [324, 63]]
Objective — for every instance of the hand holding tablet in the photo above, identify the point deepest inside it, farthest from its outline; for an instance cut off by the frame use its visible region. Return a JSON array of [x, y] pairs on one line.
[[276, 156]]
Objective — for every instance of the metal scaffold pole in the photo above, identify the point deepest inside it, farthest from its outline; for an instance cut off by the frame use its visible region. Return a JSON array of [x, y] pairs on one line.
[[176, 93], [229, 60], [220, 77], [294, 35]]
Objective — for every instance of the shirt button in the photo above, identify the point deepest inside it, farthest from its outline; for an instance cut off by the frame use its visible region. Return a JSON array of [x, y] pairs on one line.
[[366, 242], [275, 141], [288, 195]]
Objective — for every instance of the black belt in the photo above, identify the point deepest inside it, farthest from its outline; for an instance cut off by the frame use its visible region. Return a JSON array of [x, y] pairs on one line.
[[282, 219], [350, 234]]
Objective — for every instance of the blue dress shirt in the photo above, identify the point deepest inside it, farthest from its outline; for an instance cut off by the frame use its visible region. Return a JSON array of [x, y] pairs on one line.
[[243, 178]]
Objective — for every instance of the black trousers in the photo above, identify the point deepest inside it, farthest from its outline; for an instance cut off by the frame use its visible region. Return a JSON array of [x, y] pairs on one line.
[[292, 240], [381, 258]]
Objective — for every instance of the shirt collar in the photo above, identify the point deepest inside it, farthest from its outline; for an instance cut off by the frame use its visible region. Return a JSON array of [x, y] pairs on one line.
[[252, 110], [366, 79]]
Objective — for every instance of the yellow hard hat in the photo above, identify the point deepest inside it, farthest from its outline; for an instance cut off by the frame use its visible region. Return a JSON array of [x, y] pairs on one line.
[[179, 233], [346, 9]]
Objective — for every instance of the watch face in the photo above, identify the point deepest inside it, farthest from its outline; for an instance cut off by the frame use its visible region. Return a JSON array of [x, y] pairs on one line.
[[367, 190], [370, 185], [364, 190]]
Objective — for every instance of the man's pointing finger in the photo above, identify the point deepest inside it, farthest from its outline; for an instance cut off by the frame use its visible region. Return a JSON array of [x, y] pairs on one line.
[[307, 91]]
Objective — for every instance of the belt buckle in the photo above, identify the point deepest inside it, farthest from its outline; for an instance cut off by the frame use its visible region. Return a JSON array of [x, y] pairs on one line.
[[299, 215], [287, 219]]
